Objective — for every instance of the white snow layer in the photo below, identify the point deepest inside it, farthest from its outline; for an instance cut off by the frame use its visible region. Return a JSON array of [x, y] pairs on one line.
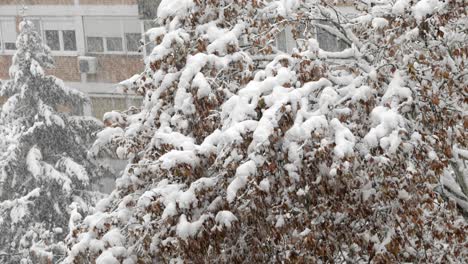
[[225, 218], [243, 172], [426, 7], [400, 6], [169, 8]]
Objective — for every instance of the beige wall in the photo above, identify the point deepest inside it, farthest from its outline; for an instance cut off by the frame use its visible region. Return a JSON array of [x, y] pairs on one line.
[[66, 68], [101, 105], [5, 62], [111, 68], [116, 68]]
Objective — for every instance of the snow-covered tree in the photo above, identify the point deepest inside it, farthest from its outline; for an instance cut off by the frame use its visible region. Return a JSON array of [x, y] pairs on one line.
[[320, 157], [424, 46], [44, 167]]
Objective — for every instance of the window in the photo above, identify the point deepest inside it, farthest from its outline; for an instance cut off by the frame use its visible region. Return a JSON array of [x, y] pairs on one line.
[[60, 40], [285, 41], [95, 44], [328, 41], [7, 34], [114, 44], [132, 34], [52, 39], [133, 41], [281, 41], [112, 35], [69, 40], [57, 32], [10, 46]]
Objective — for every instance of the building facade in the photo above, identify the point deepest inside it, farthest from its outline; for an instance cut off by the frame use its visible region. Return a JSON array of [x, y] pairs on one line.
[[95, 44]]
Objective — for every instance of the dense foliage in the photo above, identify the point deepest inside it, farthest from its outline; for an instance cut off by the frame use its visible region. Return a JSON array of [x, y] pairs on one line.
[[320, 157]]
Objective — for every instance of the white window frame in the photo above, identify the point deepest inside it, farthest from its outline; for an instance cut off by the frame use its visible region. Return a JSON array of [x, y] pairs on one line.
[[62, 51], [3, 49], [122, 36]]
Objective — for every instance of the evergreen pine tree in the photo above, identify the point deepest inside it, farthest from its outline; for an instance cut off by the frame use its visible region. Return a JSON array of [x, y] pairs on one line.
[[44, 166]]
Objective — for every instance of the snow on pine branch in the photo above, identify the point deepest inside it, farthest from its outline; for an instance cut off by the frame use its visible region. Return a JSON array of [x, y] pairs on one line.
[[43, 161]]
